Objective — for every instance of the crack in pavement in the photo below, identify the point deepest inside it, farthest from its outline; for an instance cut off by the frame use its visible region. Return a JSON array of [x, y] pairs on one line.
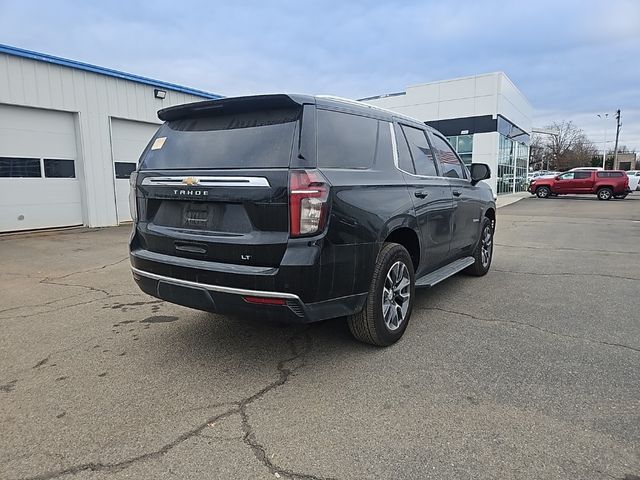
[[64, 307], [239, 407], [568, 274], [249, 437], [53, 281], [93, 269], [565, 249], [529, 325], [41, 304]]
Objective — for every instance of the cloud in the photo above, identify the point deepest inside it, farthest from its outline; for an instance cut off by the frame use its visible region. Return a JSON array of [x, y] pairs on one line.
[[572, 59]]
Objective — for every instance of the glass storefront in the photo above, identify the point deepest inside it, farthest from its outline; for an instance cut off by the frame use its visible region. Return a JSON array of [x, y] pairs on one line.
[[513, 159], [512, 153], [463, 144]]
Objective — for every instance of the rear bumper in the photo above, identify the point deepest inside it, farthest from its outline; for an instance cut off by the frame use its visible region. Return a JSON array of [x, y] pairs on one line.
[[231, 300]]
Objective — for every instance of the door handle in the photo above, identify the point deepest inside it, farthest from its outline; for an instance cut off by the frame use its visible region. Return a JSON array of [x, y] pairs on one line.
[[421, 194], [457, 193]]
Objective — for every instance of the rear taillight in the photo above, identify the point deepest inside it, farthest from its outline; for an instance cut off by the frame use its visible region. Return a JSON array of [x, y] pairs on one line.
[[308, 194], [133, 204]]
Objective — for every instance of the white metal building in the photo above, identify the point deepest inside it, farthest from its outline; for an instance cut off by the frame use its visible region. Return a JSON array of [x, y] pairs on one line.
[[70, 135], [485, 117]]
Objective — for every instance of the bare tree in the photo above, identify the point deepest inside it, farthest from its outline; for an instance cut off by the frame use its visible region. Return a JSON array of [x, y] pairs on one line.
[[567, 149]]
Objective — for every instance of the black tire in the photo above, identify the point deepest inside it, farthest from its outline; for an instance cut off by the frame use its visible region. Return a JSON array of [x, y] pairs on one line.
[[605, 193], [543, 192], [621, 197], [481, 267], [369, 326]]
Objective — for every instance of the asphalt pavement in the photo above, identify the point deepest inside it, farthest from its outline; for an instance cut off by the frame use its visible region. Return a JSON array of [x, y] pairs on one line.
[[530, 372]]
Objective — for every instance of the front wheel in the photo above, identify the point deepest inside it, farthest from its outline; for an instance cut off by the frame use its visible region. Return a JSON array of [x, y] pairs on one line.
[[483, 253], [543, 192], [605, 193], [387, 310]]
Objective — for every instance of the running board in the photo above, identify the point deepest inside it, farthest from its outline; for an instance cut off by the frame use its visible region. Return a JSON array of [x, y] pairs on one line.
[[435, 277]]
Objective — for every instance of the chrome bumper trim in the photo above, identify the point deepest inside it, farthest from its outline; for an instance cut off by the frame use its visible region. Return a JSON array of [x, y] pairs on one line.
[[215, 288]]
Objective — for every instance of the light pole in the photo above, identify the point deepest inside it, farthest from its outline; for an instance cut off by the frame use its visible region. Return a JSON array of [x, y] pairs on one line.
[[604, 147]]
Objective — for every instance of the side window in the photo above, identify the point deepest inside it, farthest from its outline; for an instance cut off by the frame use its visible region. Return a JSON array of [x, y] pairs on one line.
[[449, 161], [345, 140], [567, 176], [582, 175], [404, 157], [420, 151]]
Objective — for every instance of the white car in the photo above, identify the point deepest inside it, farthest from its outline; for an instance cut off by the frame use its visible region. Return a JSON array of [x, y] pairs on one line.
[[634, 179], [586, 169]]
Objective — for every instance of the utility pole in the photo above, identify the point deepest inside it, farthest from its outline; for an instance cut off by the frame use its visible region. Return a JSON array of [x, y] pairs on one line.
[[615, 150]]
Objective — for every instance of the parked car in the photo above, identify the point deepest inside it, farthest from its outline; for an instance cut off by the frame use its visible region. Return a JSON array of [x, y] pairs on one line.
[[299, 208], [604, 184], [634, 179]]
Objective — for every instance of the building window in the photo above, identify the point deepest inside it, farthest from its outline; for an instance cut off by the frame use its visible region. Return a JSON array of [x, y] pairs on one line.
[[59, 168], [125, 169], [513, 159], [20, 167]]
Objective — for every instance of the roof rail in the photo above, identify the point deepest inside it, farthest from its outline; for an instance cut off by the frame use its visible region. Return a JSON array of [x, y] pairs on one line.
[[367, 105]]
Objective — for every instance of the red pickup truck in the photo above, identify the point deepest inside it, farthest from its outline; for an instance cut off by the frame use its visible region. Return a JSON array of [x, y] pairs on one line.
[[603, 183]]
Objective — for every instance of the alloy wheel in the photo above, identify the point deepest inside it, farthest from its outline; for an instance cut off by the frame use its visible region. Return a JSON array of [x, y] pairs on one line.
[[396, 295], [486, 246]]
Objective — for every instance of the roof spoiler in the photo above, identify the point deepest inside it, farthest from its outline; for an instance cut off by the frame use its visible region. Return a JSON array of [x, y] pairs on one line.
[[230, 105]]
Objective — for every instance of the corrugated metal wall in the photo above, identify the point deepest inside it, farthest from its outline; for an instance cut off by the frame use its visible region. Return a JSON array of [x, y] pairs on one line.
[[94, 99]]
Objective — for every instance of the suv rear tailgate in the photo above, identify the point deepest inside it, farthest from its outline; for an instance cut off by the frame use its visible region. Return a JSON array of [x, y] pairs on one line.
[[226, 216], [213, 183]]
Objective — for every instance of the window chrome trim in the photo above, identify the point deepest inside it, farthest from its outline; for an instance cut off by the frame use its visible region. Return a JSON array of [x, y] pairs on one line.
[[394, 144], [207, 181], [215, 288]]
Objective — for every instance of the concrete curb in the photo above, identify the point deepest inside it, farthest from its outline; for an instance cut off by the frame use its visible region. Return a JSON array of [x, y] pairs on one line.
[[504, 200]]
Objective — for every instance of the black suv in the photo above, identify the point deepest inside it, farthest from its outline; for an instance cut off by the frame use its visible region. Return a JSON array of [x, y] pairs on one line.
[[298, 208]]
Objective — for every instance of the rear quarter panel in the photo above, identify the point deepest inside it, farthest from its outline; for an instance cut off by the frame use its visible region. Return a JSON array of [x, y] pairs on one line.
[[365, 206]]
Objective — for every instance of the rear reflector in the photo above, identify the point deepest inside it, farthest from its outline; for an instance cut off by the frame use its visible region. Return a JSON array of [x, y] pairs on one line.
[[265, 300]]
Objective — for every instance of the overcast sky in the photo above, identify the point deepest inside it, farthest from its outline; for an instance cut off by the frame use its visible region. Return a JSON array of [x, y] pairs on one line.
[[572, 59]]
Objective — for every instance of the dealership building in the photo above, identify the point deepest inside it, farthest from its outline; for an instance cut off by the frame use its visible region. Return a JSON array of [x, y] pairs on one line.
[[70, 135], [485, 117]]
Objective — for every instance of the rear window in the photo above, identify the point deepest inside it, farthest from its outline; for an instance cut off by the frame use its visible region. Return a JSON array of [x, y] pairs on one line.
[[609, 174], [345, 140], [242, 140]]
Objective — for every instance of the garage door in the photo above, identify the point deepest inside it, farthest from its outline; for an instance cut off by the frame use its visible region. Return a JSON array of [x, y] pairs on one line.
[[39, 187], [128, 140]]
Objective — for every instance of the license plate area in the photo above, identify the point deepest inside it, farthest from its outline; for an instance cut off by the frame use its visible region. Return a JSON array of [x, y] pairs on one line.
[[208, 216], [198, 215]]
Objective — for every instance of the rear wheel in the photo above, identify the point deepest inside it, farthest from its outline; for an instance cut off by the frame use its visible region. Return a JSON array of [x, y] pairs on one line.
[[605, 193], [543, 192], [387, 310], [484, 251]]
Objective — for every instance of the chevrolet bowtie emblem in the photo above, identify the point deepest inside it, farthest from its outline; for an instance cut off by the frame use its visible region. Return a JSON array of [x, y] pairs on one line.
[[190, 181]]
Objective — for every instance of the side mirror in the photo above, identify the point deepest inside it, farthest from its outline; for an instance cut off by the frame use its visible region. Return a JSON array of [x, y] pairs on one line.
[[479, 171], [557, 177]]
